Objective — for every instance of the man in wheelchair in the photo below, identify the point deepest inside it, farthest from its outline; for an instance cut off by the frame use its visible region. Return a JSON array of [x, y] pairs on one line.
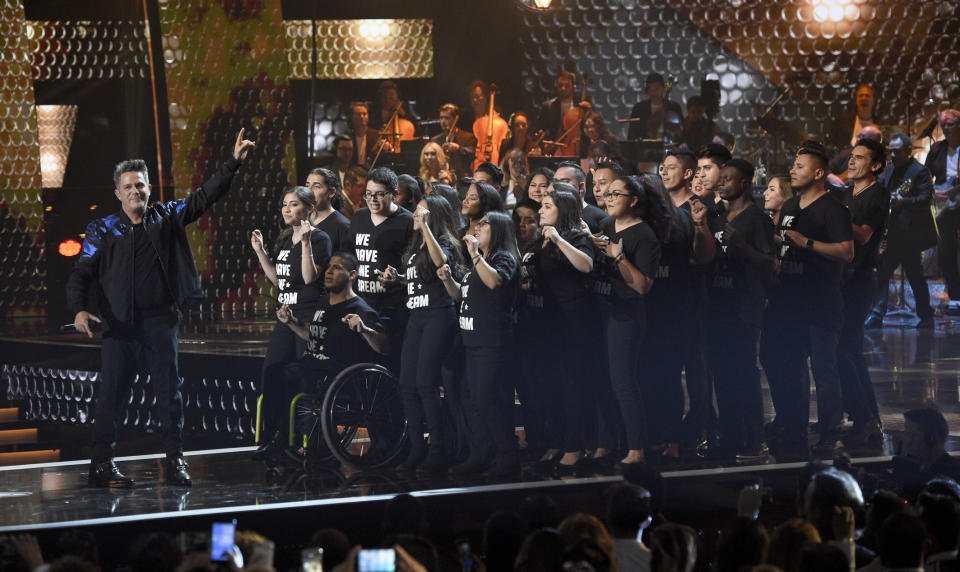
[[344, 330]]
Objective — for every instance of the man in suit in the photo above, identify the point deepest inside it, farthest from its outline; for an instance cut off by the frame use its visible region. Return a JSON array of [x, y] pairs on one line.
[[944, 163], [848, 125], [649, 112], [552, 110], [459, 145], [911, 229], [365, 140], [342, 156]]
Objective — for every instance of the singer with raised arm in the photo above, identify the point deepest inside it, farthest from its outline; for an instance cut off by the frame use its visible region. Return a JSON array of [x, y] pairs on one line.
[[144, 272]]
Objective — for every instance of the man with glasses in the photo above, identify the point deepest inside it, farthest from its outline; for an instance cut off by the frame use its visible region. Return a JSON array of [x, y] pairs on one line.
[[910, 229], [379, 234]]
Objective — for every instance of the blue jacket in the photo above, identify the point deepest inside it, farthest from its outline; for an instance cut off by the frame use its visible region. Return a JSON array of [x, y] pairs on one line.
[[107, 255]]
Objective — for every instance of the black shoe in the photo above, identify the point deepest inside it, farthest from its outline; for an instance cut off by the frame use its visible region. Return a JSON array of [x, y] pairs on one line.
[[473, 466], [925, 324], [759, 455], [175, 470], [106, 474], [827, 447], [865, 433], [505, 468], [416, 456], [546, 467], [269, 448], [874, 322]]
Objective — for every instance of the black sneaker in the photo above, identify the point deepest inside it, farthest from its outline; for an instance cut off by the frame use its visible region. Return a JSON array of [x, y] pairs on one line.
[[175, 471], [106, 474], [759, 455], [473, 466]]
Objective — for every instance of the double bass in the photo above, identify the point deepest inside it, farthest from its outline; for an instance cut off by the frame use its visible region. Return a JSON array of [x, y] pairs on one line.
[[573, 123], [490, 131], [397, 129]]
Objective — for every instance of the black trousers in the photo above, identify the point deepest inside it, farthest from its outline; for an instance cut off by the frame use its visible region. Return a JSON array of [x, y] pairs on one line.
[[701, 417], [156, 338], [283, 347], [901, 254], [569, 403], [491, 399], [787, 345], [859, 398], [624, 330], [533, 383], [306, 374], [429, 337], [661, 381], [733, 360], [948, 223]]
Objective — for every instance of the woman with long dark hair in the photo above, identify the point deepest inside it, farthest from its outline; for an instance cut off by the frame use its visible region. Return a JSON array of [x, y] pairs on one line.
[[481, 198], [563, 263], [486, 295], [537, 185], [410, 191], [302, 256], [630, 241], [430, 331]]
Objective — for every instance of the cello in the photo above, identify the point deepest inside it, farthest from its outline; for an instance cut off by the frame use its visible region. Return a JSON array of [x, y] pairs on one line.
[[490, 132], [573, 123]]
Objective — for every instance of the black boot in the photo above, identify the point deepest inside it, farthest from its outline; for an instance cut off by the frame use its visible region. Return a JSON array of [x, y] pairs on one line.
[[268, 448], [106, 474], [437, 460], [175, 471], [418, 450]]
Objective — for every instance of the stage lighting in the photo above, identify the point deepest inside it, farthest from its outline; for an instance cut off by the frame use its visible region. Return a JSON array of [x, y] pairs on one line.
[[536, 5], [834, 10], [55, 124], [69, 248]]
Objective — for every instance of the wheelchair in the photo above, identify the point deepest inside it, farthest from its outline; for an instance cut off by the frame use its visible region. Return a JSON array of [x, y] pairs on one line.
[[356, 418]]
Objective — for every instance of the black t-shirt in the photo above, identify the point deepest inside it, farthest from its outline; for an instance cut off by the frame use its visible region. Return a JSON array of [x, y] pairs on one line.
[[337, 228], [486, 315], [672, 281], [531, 298], [302, 298], [810, 283], [378, 247], [150, 289], [641, 247], [427, 291], [594, 217], [737, 288], [562, 285], [870, 208], [331, 339]]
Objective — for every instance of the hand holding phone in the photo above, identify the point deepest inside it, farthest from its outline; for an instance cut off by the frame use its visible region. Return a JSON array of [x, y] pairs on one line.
[[222, 540], [377, 560]]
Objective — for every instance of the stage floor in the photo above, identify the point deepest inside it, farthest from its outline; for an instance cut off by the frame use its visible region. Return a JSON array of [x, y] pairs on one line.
[[909, 367]]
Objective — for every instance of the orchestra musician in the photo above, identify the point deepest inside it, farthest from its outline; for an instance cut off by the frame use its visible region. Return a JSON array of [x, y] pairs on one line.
[[943, 162], [553, 110], [393, 119], [848, 125], [650, 111], [364, 139], [489, 128], [520, 137], [459, 145]]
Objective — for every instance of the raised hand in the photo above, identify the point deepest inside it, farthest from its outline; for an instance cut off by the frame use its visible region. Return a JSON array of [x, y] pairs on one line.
[[301, 231], [284, 314], [472, 244], [698, 210], [256, 241], [549, 233], [422, 217], [388, 275], [242, 146], [354, 322], [444, 273]]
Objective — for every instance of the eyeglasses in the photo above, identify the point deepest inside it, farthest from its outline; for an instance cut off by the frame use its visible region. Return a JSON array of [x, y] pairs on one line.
[[376, 195], [613, 196], [482, 223]]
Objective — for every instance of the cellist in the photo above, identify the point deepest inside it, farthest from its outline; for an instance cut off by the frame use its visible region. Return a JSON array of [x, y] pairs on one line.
[[489, 128], [395, 126]]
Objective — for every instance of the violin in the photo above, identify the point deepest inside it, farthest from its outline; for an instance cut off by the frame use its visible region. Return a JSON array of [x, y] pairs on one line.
[[490, 131], [573, 123]]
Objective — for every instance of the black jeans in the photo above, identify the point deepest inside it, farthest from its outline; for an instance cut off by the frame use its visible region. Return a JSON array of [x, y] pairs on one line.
[[901, 254], [661, 383], [701, 417], [568, 402], [429, 337], [533, 383], [859, 398], [625, 327], [156, 337], [733, 361], [283, 347], [788, 345], [949, 223], [491, 399]]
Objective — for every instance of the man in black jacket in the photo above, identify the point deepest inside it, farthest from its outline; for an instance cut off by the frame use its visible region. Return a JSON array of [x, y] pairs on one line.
[[944, 164], [649, 112], [141, 263], [911, 229]]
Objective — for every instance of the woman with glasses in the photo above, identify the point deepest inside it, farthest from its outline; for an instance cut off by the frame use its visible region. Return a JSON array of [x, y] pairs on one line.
[[302, 256], [430, 331], [630, 242], [563, 261], [487, 294]]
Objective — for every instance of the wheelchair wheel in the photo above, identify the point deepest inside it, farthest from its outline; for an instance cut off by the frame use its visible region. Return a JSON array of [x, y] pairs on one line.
[[306, 430], [363, 420]]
